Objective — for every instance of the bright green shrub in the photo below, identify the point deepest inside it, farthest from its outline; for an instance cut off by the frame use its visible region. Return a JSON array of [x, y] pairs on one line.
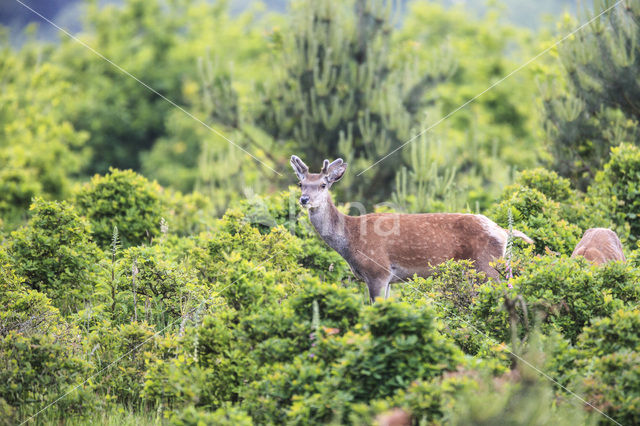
[[54, 253], [188, 214], [124, 199], [37, 369], [538, 217], [616, 190], [548, 182], [248, 268]]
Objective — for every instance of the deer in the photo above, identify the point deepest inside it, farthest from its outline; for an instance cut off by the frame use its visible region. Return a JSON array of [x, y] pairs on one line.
[[599, 246], [385, 248]]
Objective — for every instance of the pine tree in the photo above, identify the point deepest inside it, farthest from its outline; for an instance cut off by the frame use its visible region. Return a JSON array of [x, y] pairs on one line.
[[601, 107], [342, 93]]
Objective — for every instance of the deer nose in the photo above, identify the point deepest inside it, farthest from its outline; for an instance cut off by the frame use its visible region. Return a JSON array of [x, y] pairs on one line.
[[304, 199]]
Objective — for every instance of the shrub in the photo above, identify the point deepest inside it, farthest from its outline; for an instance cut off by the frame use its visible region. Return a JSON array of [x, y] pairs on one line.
[[451, 290], [54, 253], [567, 293], [609, 351], [616, 190], [122, 354], [547, 182], [36, 370], [124, 199], [538, 217], [161, 289], [392, 345]]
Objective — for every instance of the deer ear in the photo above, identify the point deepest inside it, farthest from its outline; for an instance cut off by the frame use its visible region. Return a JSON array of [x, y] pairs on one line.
[[336, 170], [299, 167]]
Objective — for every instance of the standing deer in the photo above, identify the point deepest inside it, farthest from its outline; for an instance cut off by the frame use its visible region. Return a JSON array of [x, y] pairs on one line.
[[383, 248], [599, 245]]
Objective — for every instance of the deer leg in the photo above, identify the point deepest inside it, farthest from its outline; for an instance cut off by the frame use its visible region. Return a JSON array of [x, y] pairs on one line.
[[376, 286]]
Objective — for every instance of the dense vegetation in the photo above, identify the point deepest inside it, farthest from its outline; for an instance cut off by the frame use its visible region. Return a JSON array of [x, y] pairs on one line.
[[150, 271]]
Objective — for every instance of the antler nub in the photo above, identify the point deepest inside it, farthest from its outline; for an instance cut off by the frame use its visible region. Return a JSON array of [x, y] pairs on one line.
[[325, 167]]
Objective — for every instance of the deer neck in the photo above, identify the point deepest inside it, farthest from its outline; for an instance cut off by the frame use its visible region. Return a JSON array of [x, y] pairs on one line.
[[331, 226]]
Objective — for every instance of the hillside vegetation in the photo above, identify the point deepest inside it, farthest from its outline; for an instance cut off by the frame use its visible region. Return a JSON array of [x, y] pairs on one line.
[[153, 273]]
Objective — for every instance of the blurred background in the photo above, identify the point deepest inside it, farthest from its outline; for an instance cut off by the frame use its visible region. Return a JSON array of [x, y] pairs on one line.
[[321, 79]]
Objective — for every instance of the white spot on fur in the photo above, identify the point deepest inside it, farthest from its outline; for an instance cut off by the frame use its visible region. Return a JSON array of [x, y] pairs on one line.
[[495, 231]]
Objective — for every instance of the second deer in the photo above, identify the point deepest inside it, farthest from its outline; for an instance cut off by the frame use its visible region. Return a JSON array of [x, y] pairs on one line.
[[383, 248], [599, 245]]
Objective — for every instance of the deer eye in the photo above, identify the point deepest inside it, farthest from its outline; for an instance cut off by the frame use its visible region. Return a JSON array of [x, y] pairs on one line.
[[324, 185]]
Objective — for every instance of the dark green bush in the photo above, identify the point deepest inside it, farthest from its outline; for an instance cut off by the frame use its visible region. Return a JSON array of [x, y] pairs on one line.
[[393, 344], [616, 191], [124, 199], [54, 253]]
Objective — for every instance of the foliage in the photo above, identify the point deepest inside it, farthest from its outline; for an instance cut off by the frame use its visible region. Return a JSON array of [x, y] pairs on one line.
[[124, 199], [54, 253], [209, 303], [223, 416], [596, 111], [36, 369], [609, 350], [567, 293], [342, 90], [537, 216], [616, 192], [40, 150]]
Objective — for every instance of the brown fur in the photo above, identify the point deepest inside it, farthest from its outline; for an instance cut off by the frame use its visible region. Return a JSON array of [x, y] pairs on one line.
[[599, 245], [383, 248]]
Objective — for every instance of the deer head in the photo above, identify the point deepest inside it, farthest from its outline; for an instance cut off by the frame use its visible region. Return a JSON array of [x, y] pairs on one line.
[[315, 186]]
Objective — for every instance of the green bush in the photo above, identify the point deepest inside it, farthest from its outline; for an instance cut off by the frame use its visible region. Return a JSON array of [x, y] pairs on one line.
[[609, 353], [451, 290], [616, 191], [548, 182], [36, 370], [564, 294], [121, 354], [54, 253], [393, 344], [124, 199], [24, 310], [161, 289], [537, 216]]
